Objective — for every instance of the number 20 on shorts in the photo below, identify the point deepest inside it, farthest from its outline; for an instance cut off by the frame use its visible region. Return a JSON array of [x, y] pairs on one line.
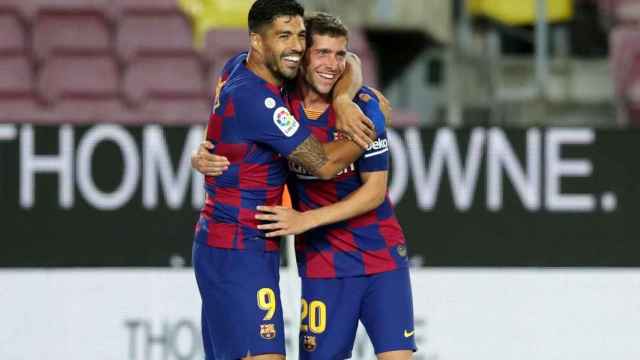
[[316, 311]]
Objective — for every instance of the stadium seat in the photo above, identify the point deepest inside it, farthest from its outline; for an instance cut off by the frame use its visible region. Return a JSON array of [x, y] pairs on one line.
[[177, 110], [34, 7], [16, 79], [220, 45], [79, 75], [20, 8], [625, 68], [73, 31], [164, 77], [18, 100], [12, 37], [625, 47], [145, 6], [153, 33], [621, 11]]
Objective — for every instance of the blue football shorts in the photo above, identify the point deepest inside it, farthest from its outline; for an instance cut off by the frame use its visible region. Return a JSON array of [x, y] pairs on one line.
[[241, 309], [331, 309]]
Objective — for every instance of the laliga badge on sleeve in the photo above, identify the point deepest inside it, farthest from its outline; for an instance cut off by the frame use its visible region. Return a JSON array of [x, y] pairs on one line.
[[285, 121]]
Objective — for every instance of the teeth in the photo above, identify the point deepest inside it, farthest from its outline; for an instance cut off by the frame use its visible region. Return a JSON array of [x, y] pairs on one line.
[[292, 58], [326, 76]]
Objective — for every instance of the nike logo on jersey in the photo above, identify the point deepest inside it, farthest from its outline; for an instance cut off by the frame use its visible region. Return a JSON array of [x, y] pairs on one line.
[[409, 334]]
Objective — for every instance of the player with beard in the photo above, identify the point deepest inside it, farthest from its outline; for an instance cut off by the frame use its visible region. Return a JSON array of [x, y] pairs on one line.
[[236, 266], [351, 250]]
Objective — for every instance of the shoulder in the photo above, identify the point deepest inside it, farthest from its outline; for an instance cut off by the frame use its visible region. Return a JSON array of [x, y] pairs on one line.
[[367, 100], [233, 64], [366, 90]]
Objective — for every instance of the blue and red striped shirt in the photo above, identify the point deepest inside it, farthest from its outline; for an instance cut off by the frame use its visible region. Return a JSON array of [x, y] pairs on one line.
[[251, 125], [367, 244]]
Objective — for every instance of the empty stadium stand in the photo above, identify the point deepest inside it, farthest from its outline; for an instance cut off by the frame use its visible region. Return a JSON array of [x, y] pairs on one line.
[[81, 31], [113, 60]]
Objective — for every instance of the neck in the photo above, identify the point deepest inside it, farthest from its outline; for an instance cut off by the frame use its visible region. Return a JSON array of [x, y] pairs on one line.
[[256, 64], [311, 99]]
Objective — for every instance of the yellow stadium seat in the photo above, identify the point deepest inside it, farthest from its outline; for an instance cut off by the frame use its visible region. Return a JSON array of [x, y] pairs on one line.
[[209, 14], [520, 12]]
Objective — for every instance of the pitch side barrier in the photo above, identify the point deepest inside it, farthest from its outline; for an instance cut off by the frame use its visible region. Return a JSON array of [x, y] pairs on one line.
[[114, 195]]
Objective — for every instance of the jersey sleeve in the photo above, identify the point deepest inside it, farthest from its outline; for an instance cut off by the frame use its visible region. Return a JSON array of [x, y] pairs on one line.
[[265, 119], [376, 157]]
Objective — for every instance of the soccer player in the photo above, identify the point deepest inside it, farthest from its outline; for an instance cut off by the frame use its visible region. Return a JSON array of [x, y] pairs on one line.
[[351, 250], [236, 266], [356, 268]]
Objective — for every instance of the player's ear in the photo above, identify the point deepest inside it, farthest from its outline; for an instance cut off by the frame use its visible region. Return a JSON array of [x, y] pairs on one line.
[[255, 39]]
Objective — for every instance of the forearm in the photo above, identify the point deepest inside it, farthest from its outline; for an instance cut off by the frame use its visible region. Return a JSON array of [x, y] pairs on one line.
[[361, 201], [347, 87], [340, 154]]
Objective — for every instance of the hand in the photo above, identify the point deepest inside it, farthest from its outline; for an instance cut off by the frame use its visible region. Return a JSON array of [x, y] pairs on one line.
[[207, 163], [385, 106], [284, 221], [351, 121]]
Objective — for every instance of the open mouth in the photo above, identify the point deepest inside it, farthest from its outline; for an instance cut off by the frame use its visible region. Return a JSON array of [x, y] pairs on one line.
[[326, 76], [291, 60]]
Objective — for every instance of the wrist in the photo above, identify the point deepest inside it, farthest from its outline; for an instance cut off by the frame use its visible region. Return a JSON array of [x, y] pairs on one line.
[[313, 219], [339, 101]]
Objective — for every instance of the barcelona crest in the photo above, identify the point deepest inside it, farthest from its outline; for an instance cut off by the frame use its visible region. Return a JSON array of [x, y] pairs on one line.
[[268, 331], [309, 343]]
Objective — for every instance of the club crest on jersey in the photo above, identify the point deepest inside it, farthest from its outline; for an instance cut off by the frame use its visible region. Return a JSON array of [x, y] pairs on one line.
[[269, 103], [309, 343], [268, 331], [285, 121]]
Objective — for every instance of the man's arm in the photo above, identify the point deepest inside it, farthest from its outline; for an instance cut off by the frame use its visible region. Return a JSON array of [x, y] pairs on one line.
[[325, 160], [207, 163], [286, 221], [349, 118]]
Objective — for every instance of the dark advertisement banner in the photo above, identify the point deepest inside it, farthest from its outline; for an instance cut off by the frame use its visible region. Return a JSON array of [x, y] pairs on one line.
[[110, 195]]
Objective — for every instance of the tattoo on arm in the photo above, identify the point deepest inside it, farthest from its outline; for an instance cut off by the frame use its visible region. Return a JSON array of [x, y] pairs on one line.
[[310, 155]]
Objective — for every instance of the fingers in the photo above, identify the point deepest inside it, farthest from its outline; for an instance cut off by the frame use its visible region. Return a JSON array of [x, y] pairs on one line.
[[266, 217], [207, 145], [360, 138], [269, 209], [278, 233], [271, 226], [365, 97]]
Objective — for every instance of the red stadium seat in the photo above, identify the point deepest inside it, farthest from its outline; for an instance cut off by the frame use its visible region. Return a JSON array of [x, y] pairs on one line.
[[21, 8], [164, 77], [625, 47], [12, 37], [625, 65], [177, 110], [220, 45], [16, 78], [146, 6], [17, 97], [75, 31], [79, 75], [153, 33], [621, 11]]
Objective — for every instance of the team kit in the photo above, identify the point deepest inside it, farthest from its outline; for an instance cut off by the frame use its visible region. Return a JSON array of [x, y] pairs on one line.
[[292, 112]]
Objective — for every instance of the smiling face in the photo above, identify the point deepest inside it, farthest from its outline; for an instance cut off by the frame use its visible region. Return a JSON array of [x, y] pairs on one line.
[[324, 62], [283, 45]]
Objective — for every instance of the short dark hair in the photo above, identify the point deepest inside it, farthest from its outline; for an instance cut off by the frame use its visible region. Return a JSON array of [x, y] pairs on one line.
[[264, 12], [321, 23]]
